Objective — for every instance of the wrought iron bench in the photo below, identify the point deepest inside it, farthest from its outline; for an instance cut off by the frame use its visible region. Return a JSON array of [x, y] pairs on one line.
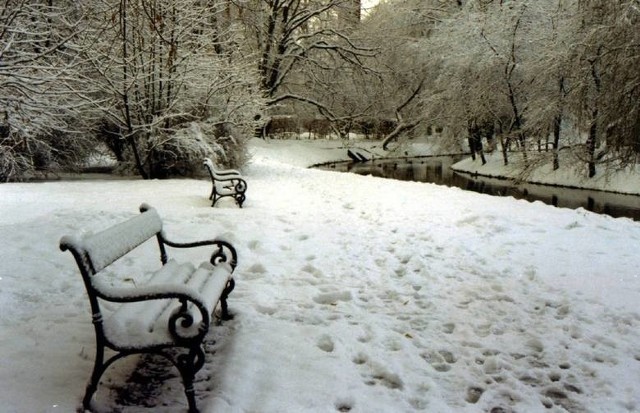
[[226, 183], [169, 315]]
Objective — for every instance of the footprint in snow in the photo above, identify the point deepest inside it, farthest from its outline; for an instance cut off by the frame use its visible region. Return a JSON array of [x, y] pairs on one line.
[[441, 360], [448, 328], [344, 405], [253, 244], [254, 272], [332, 298], [325, 343], [311, 269], [379, 375], [473, 394], [266, 309], [360, 358]]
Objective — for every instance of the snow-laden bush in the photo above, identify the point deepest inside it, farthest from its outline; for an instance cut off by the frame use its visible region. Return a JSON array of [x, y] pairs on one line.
[[182, 153]]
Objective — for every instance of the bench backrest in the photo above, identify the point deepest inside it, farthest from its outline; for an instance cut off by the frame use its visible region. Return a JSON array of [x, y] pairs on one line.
[[209, 165], [213, 172], [222, 174], [97, 251]]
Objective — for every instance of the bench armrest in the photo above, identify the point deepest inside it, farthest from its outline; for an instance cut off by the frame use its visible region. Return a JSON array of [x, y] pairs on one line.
[[236, 182], [225, 252], [225, 172], [215, 171]]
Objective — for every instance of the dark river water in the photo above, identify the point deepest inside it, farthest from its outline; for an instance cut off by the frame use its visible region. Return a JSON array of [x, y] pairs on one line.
[[437, 170]]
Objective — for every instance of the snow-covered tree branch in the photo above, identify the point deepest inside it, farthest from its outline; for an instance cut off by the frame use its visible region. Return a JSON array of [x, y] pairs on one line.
[[162, 65], [39, 108]]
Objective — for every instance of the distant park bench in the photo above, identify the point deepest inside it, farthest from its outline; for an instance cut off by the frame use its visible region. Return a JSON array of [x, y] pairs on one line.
[[169, 315], [226, 183]]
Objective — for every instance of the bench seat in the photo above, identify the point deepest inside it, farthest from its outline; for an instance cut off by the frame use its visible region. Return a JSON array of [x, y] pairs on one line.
[[143, 324]]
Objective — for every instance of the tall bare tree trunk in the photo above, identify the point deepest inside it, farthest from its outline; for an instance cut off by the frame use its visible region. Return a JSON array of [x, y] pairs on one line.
[[557, 127], [125, 95], [592, 140]]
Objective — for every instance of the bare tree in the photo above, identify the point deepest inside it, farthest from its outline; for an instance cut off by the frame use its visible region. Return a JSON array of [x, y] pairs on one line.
[[162, 65], [551, 75], [298, 40], [406, 68], [607, 81]]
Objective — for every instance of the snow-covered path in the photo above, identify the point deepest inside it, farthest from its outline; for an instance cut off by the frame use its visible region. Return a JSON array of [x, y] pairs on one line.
[[353, 294]]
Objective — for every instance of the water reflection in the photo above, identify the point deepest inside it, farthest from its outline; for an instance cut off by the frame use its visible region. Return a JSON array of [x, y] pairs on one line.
[[438, 170]]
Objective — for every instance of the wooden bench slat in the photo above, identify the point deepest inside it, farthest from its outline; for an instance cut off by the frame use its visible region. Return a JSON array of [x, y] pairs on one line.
[[211, 281], [172, 273], [143, 315], [124, 330], [147, 322]]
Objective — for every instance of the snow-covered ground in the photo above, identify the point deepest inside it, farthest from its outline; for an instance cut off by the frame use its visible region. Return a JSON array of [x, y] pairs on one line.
[[353, 293]]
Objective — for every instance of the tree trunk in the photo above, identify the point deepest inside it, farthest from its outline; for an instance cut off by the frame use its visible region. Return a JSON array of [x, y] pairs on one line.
[[127, 109], [470, 137], [471, 147], [557, 126], [475, 141], [480, 150], [402, 127], [593, 129], [136, 156], [591, 145], [505, 157]]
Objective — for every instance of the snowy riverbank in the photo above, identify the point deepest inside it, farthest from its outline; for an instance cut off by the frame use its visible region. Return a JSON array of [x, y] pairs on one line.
[[570, 174]]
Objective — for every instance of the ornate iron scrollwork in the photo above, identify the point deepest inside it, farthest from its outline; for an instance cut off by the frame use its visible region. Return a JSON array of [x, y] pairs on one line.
[[221, 254], [181, 323]]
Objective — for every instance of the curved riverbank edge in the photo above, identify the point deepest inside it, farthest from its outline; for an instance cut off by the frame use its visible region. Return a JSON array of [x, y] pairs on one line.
[[611, 182], [625, 182], [316, 153]]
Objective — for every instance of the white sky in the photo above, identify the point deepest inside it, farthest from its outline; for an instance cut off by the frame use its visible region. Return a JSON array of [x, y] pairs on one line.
[[369, 3]]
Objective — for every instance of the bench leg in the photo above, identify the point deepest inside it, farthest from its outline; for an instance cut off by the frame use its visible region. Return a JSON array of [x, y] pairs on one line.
[[188, 365], [240, 199], [224, 310], [98, 369], [191, 397]]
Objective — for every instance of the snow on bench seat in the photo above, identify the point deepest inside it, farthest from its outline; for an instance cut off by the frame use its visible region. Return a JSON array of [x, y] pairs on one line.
[[146, 323]]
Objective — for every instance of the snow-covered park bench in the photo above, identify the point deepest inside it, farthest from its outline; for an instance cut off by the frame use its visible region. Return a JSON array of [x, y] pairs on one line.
[[169, 314], [225, 183]]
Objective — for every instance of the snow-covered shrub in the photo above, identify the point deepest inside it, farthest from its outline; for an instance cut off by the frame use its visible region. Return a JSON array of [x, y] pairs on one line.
[[182, 153]]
